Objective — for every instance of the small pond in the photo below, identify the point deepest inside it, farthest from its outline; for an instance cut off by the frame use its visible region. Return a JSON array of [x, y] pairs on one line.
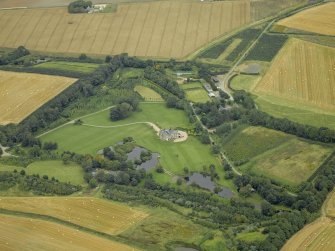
[[136, 154], [206, 182]]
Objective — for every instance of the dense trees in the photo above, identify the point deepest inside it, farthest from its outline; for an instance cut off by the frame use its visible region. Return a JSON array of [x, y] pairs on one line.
[[12, 56], [79, 6], [164, 81], [35, 184]]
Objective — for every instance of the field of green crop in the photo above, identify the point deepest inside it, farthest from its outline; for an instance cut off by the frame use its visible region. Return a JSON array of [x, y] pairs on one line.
[[52, 168], [174, 156], [69, 66]]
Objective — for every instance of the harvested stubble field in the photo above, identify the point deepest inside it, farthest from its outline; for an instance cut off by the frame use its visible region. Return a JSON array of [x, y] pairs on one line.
[[92, 213], [165, 29], [319, 235], [302, 73], [319, 19], [26, 234], [23, 93]]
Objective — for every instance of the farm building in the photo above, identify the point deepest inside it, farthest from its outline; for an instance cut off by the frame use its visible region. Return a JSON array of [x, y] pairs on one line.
[[169, 134]]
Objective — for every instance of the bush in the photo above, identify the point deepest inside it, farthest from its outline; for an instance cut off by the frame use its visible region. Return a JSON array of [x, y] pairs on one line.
[[79, 6]]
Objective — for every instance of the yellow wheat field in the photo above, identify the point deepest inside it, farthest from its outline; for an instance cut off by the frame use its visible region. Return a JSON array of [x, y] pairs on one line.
[[96, 214], [25, 234], [166, 29], [23, 93], [303, 73], [319, 19], [319, 235]]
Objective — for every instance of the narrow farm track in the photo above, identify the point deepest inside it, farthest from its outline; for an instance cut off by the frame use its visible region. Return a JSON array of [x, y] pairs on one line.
[[154, 126], [222, 154]]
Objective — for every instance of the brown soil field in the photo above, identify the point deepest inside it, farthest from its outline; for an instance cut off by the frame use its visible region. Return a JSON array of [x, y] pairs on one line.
[[302, 72], [320, 19], [25, 234], [163, 29], [93, 213], [22, 93]]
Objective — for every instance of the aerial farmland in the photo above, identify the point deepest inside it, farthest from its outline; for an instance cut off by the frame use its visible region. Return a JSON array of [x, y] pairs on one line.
[[167, 125]]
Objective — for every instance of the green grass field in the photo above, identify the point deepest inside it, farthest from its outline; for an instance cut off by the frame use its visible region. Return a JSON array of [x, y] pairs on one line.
[[290, 163], [275, 154], [244, 82], [174, 156], [53, 168], [148, 94], [156, 113], [192, 85], [246, 143], [251, 236], [295, 112], [69, 66], [157, 230], [195, 92]]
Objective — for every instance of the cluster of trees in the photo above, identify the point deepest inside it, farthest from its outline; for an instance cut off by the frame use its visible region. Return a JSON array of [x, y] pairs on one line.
[[124, 108], [164, 81], [79, 6], [35, 184], [14, 55]]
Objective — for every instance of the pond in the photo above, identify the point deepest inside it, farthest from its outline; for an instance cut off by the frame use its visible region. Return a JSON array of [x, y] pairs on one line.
[[206, 182], [136, 154]]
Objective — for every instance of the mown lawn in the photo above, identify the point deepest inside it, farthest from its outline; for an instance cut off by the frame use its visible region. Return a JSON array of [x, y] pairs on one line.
[[52, 168], [156, 113], [147, 93], [174, 156], [69, 66]]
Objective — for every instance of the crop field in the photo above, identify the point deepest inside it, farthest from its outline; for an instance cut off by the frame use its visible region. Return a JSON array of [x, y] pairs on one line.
[[52, 168], [24, 234], [290, 163], [229, 49], [320, 19], [302, 73], [267, 47], [101, 132], [264, 8], [147, 93], [97, 214], [23, 93], [69, 66], [318, 235], [163, 29]]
